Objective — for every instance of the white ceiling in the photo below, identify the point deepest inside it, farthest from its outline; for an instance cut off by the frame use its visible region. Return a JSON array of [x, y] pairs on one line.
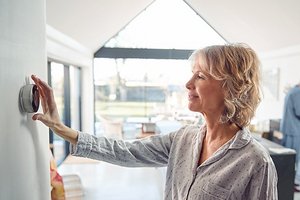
[[264, 24], [92, 22]]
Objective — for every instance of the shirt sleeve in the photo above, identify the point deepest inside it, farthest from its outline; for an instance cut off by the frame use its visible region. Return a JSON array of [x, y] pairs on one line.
[[148, 152], [296, 102], [263, 184]]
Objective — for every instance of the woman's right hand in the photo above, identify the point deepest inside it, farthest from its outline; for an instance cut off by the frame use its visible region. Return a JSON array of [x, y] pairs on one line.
[[50, 116]]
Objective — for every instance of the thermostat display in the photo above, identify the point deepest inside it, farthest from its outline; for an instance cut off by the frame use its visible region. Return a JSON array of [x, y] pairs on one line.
[[29, 98]]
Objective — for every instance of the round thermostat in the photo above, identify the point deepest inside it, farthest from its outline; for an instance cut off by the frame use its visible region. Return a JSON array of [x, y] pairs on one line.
[[29, 98]]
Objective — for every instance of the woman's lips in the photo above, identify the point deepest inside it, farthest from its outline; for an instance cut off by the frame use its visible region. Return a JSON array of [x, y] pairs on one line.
[[192, 96]]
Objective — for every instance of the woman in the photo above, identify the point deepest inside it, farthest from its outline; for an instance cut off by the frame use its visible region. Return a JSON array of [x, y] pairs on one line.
[[219, 160]]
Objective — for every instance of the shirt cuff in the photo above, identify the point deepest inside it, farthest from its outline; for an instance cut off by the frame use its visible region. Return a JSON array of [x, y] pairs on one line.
[[84, 145]]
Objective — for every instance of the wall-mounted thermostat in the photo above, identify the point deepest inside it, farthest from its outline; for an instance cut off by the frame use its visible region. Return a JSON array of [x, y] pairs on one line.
[[29, 98]]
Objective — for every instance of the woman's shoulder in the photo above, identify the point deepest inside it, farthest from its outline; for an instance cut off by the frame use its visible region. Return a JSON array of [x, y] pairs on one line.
[[257, 152], [249, 147]]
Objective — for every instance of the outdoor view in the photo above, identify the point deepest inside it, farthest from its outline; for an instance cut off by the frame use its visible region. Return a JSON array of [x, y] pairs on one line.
[[133, 91], [142, 90]]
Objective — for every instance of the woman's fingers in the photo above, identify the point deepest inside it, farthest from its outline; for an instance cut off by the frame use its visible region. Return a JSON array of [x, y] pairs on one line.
[[46, 90], [41, 92], [38, 83], [41, 83], [50, 114], [42, 118], [44, 105], [37, 116]]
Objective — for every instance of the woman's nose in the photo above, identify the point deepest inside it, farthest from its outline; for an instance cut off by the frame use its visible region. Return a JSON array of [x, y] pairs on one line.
[[189, 85]]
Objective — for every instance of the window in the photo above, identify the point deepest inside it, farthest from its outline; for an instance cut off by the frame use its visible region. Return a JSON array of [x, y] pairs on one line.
[[141, 90], [140, 73], [65, 81], [166, 24]]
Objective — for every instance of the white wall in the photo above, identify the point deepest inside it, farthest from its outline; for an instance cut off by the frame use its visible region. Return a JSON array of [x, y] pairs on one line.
[[287, 61], [64, 49], [24, 145]]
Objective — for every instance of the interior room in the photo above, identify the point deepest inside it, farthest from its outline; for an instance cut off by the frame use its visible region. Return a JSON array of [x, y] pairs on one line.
[[118, 69]]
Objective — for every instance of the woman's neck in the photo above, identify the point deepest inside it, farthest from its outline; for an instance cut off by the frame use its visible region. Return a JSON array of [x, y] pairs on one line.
[[220, 131]]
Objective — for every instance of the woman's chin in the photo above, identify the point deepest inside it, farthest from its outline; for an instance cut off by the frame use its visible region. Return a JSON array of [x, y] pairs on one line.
[[193, 109]]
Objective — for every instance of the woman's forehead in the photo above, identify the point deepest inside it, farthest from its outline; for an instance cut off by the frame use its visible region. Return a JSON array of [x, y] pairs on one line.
[[199, 64]]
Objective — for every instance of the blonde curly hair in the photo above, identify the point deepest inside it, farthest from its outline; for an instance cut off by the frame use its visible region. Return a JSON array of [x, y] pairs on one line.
[[237, 67]]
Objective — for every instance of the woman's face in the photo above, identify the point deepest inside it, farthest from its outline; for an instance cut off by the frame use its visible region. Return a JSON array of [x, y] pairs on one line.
[[205, 93]]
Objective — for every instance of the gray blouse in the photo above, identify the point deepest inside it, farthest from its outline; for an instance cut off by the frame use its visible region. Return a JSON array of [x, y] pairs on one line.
[[240, 169]]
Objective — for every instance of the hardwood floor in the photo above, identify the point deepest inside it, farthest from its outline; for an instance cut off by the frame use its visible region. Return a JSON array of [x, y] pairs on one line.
[[105, 181]]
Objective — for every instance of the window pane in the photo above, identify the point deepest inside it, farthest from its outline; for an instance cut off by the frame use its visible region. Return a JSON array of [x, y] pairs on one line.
[[57, 83], [166, 24], [75, 88], [139, 90]]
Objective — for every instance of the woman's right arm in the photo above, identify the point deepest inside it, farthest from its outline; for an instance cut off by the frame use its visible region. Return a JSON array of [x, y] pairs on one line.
[[50, 116], [153, 151]]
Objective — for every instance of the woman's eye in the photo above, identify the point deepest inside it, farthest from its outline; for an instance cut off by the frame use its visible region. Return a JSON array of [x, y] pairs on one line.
[[200, 77]]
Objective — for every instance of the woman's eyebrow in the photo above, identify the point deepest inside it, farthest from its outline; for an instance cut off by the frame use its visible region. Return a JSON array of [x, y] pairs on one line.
[[199, 71], [196, 71]]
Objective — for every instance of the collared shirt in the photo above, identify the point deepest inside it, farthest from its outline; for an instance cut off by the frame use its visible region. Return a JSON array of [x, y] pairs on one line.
[[240, 169]]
